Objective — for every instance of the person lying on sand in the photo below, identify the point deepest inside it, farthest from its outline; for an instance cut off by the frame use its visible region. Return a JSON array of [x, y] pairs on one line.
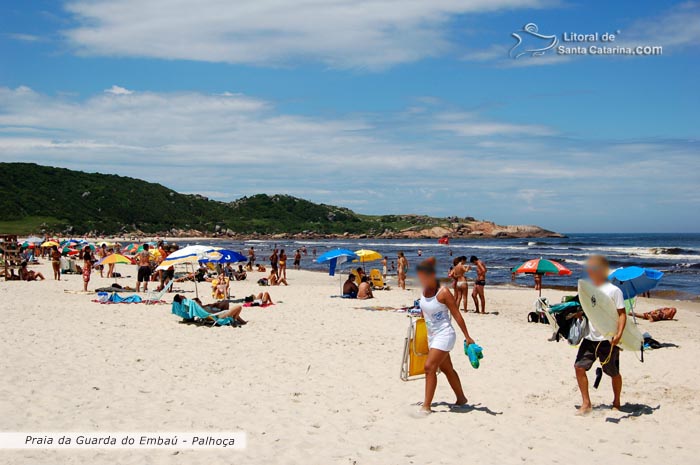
[[221, 309], [364, 291], [259, 300], [29, 275]]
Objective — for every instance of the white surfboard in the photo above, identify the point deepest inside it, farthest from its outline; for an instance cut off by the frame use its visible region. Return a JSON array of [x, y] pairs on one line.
[[602, 313]]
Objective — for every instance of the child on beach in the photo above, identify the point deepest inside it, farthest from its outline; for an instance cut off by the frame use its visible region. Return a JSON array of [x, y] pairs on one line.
[[595, 345], [438, 306]]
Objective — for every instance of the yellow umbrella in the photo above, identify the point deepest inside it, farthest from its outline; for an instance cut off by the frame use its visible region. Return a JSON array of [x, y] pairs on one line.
[[114, 258], [50, 244], [368, 255]]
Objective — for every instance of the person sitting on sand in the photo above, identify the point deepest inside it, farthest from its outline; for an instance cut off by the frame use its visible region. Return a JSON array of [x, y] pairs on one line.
[[438, 307], [221, 309], [261, 269], [240, 274], [364, 291], [350, 288], [274, 280], [595, 345], [260, 300], [11, 276], [29, 275]]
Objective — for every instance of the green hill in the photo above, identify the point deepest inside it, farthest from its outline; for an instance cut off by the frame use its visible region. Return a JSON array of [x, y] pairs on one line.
[[34, 197]]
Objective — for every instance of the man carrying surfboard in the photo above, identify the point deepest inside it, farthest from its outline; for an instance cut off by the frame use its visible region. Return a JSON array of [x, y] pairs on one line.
[[595, 344]]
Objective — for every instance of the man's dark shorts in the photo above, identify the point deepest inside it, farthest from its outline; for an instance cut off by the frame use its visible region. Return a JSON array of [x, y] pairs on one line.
[[588, 351], [144, 274]]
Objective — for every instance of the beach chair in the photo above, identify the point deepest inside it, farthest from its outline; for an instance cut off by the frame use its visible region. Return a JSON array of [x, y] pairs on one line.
[[154, 297], [191, 310], [376, 278], [415, 350]]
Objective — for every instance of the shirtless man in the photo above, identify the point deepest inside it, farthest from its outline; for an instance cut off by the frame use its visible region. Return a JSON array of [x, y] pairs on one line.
[[458, 273], [385, 262], [251, 257], [349, 287], [364, 291], [402, 270], [144, 272], [478, 292]]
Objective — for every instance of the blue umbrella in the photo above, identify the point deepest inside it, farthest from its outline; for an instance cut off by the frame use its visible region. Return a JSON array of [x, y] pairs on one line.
[[337, 257], [223, 256], [634, 280]]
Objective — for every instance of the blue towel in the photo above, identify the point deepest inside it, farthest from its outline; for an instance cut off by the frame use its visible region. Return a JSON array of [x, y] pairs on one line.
[[132, 299]]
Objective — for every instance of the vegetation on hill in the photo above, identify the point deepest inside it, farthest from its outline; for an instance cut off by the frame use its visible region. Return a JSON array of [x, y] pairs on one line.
[[34, 197]]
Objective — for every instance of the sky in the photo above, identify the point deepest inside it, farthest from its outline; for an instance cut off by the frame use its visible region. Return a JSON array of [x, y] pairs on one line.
[[440, 107]]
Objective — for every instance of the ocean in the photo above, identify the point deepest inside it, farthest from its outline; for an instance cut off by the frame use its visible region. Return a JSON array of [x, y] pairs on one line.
[[677, 255]]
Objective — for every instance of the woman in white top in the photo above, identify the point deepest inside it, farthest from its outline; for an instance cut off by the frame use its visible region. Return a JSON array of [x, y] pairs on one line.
[[438, 307]]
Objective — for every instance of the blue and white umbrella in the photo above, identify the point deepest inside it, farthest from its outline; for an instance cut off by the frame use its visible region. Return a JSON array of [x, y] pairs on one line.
[[223, 256], [336, 257], [634, 280]]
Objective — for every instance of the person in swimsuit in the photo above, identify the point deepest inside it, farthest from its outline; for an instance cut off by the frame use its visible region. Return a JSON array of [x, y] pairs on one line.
[[283, 265], [274, 261], [461, 286], [28, 275], [144, 273], [385, 262], [251, 258], [297, 260], [349, 287], [402, 270], [478, 292], [438, 307], [221, 309], [56, 263], [87, 266], [260, 300], [364, 291]]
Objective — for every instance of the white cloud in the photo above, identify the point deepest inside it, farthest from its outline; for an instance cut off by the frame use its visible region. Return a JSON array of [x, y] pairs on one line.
[[339, 33], [228, 145], [23, 37], [116, 90]]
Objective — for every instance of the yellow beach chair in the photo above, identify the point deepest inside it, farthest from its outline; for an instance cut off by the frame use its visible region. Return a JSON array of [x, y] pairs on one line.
[[375, 277], [415, 350]]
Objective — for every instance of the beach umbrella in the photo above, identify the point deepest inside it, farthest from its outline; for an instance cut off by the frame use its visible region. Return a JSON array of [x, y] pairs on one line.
[[634, 280], [368, 255], [542, 266], [336, 257], [50, 244], [189, 254], [223, 256], [115, 258]]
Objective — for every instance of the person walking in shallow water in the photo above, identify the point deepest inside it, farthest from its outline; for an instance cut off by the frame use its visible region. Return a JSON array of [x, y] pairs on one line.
[[479, 283]]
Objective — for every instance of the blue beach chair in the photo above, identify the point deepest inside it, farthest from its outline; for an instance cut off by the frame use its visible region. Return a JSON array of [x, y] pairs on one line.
[[191, 310]]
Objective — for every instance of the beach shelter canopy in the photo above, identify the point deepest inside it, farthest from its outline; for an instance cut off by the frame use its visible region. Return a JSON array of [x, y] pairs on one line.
[[368, 255], [115, 258], [634, 280], [189, 254], [336, 257], [542, 266], [223, 256]]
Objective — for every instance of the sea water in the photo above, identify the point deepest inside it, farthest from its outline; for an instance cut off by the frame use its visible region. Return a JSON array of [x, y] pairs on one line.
[[677, 255]]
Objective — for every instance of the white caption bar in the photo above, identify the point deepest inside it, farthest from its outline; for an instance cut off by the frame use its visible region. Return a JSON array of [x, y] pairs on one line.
[[202, 440]]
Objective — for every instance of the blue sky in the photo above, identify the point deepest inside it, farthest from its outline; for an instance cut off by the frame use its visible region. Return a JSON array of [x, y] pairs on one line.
[[410, 106]]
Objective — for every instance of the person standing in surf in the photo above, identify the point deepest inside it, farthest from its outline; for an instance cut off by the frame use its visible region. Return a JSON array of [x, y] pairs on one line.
[[479, 284], [438, 307], [402, 270], [595, 345]]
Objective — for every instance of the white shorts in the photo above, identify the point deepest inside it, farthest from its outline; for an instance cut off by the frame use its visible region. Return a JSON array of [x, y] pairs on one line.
[[444, 340]]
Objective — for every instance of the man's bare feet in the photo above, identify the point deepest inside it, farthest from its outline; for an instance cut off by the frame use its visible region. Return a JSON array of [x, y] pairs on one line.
[[462, 401], [616, 406], [584, 410]]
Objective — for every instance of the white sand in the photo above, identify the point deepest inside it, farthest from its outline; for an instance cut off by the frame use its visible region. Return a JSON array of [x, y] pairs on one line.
[[315, 380]]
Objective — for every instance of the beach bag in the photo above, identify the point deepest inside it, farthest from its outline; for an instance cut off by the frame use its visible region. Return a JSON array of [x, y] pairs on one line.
[[577, 331]]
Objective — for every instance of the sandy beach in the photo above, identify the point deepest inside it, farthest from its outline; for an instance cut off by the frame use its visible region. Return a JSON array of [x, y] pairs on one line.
[[315, 379]]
